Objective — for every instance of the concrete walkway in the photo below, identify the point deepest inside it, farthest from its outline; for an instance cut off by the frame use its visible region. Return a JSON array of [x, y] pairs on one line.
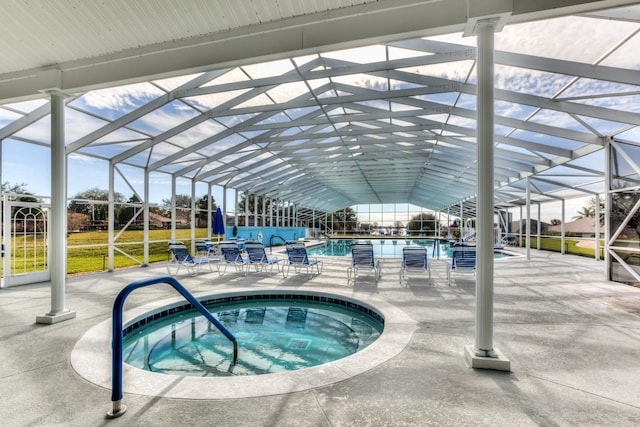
[[573, 340]]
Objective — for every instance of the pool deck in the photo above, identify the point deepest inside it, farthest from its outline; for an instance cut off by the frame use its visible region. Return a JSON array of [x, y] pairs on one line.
[[573, 340]]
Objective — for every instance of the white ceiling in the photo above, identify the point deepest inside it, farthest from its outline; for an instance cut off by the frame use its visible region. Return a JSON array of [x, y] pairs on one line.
[[324, 130]]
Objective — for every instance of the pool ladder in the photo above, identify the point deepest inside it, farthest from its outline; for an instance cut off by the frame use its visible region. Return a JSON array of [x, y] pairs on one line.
[[116, 354]]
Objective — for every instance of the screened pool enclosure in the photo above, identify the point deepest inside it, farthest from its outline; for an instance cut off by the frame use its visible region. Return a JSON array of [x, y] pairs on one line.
[[373, 114]]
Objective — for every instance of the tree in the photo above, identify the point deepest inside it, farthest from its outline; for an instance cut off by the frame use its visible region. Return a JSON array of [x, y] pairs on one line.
[[589, 211], [622, 205], [183, 203], [125, 213], [77, 221], [20, 190], [585, 212], [556, 221], [81, 203], [345, 219], [183, 211], [203, 203], [202, 210], [22, 217], [250, 208], [423, 221]]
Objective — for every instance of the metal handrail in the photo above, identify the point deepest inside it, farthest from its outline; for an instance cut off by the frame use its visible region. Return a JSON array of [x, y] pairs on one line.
[[271, 242], [116, 354]]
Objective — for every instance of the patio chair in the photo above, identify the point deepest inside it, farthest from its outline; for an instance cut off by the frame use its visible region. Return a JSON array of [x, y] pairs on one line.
[[181, 258], [414, 259], [463, 260], [259, 259], [362, 258], [299, 259], [232, 255], [509, 240], [204, 248]]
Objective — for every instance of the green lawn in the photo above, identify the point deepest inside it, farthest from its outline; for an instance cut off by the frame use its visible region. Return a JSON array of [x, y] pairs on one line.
[[571, 246], [81, 259], [88, 252]]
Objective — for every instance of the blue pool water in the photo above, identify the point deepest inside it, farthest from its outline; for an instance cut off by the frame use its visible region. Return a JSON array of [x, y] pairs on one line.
[[274, 335], [387, 248]]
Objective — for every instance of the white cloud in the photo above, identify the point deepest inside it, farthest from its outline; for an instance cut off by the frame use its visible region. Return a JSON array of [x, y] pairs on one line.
[[121, 98]]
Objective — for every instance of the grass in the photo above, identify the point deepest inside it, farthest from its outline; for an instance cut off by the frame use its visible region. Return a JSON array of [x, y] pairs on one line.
[[571, 246], [88, 251], [86, 259]]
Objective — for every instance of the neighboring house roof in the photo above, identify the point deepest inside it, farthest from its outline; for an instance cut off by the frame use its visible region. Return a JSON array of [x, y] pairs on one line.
[[582, 225], [155, 218], [515, 226]]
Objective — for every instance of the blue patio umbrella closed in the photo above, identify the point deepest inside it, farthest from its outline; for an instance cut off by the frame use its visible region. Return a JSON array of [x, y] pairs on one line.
[[218, 224]]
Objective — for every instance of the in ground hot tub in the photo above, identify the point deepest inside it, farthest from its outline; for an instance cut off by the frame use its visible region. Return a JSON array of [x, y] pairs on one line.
[[384, 334]]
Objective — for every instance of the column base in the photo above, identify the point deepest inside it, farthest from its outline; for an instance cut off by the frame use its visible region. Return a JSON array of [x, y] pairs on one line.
[[499, 363], [50, 319]]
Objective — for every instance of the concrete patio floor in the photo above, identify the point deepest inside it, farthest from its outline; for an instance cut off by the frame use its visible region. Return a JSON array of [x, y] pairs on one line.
[[573, 340]]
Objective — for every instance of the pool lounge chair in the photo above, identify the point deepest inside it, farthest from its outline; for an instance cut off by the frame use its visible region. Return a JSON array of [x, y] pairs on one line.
[[299, 259], [414, 259], [182, 259], [362, 258], [259, 259], [463, 260], [232, 255], [204, 248], [509, 240]]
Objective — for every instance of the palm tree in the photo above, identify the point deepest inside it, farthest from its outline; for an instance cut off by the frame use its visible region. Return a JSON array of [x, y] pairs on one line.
[[585, 212]]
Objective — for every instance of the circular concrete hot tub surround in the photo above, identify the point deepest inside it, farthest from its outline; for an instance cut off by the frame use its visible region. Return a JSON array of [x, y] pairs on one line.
[[91, 356]]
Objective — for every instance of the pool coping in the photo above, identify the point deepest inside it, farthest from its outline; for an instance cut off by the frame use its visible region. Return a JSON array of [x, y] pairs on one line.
[[91, 357]]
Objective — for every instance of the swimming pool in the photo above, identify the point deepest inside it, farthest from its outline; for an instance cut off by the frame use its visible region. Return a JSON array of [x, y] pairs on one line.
[[388, 248], [275, 333]]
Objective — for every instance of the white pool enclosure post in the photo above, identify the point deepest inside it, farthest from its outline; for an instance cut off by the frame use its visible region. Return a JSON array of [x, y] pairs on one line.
[[58, 219], [482, 354]]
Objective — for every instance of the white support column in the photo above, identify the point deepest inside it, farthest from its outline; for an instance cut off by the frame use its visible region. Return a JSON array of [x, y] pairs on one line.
[[562, 228], [246, 208], [607, 209], [460, 225], [255, 210], [173, 208], [520, 228], [145, 214], [597, 246], [209, 213], [235, 209], [58, 218], [111, 213], [539, 228], [264, 211], [528, 226], [482, 354], [192, 215], [507, 222], [224, 204]]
